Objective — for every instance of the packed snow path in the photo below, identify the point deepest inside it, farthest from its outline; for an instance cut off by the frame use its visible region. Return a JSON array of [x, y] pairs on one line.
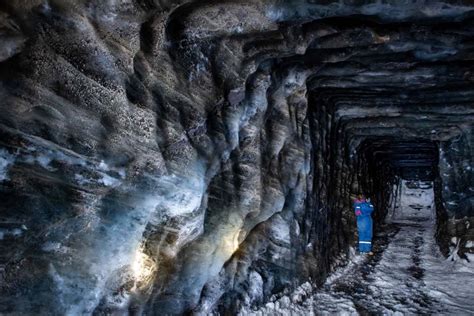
[[406, 275]]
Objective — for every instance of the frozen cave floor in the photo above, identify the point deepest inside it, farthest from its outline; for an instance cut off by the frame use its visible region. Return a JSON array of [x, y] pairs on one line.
[[406, 275]]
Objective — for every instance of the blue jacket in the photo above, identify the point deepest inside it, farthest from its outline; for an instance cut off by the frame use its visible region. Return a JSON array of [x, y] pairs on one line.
[[363, 208]]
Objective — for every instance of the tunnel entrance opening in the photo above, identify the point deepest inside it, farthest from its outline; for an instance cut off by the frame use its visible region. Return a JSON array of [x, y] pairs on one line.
[[391, 169], [412, 201]]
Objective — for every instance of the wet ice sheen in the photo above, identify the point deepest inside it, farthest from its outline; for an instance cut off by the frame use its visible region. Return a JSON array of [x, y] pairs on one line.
[[408, 274]]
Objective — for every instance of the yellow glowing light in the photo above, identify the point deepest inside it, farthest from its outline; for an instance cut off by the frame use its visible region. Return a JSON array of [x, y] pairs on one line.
[[143, 268], [231, 241]]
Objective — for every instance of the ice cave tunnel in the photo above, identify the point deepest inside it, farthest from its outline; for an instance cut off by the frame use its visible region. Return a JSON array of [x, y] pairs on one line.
[[177, 157]]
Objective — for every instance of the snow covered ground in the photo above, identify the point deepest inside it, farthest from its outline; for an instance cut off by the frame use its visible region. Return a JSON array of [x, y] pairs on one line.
[[407, 274]]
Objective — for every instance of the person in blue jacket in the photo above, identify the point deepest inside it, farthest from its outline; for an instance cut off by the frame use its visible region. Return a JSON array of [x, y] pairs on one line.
[[363, 210]]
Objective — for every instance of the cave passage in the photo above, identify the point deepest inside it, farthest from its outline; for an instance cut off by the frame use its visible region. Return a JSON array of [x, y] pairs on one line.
[[185, 157], [386, 162], [406, 274]]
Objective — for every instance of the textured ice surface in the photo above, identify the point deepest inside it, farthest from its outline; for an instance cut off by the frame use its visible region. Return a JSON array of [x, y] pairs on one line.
[[6, 160]]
